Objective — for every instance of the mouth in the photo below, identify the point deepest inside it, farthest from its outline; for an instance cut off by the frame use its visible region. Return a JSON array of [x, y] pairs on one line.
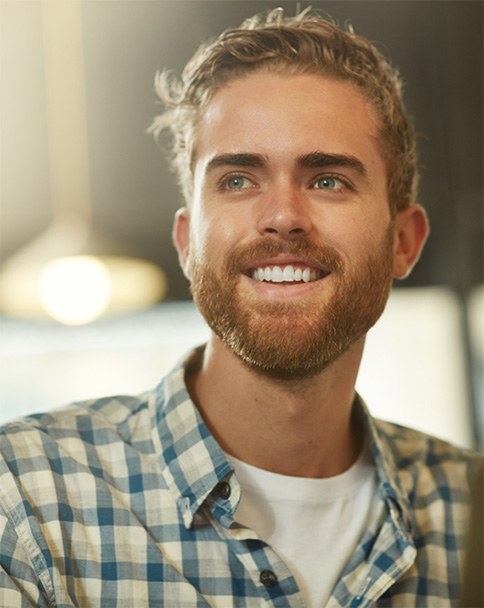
[[275, 271], [286, 274]]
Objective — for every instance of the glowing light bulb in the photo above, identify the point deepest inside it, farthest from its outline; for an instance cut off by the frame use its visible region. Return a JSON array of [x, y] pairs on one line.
[[75, 290]]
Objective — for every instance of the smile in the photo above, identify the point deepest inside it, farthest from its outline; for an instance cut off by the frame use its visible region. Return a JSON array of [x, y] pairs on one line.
[[286, 274]]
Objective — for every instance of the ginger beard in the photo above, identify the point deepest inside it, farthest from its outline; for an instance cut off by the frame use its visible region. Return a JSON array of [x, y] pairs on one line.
[[293, 339]]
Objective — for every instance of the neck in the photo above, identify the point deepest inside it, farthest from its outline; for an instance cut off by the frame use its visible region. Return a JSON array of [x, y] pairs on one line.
[[301, 427]]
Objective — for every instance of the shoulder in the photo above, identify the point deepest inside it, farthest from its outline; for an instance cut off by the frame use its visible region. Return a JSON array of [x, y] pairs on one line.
[[27, 442], [74, 455], [74, 474], [420, 458], [410, 443]]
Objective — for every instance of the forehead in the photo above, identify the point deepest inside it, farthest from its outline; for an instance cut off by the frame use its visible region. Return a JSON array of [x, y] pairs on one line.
[[285, 116]]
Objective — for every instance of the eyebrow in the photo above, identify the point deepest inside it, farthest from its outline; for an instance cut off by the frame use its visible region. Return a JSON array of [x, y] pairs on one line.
[[313, 160], [236, 160]]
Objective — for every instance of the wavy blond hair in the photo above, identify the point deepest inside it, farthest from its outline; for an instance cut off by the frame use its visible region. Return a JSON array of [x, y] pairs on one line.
[[306, 44]]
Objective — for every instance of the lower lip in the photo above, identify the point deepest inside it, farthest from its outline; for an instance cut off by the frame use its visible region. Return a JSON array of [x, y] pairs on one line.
[[283, 290]]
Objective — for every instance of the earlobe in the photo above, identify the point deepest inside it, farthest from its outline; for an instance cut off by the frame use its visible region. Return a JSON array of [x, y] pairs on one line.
[[410, 233], [181, 238]]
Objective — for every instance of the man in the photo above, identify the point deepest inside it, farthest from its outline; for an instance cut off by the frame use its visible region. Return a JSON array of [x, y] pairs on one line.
[[253, 475]]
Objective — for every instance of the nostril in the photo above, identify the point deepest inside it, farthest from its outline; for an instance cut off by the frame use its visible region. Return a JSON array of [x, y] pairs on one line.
[[296, 230], [285, 222]]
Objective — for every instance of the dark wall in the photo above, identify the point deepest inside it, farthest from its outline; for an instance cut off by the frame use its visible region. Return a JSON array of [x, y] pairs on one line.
[[436, 44]]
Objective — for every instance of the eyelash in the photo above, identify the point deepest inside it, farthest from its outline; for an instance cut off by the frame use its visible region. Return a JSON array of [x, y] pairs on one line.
[[222, 184], [346, 183]]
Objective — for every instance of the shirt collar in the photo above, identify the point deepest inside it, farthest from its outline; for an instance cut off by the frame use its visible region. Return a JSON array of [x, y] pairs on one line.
[[194, 463], [388, 474]]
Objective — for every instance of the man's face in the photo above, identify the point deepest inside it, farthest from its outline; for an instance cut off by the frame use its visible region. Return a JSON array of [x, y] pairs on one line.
[[288, 242]]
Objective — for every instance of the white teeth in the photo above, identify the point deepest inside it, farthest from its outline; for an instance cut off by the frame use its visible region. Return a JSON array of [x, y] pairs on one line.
[[275, 274], [288, 273]]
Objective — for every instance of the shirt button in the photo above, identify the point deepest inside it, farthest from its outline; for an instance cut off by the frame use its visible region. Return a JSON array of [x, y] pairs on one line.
[[224, 490], [268, 578]]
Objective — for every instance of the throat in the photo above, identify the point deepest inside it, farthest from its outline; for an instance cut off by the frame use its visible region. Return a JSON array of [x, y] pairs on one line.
[[301, 428]]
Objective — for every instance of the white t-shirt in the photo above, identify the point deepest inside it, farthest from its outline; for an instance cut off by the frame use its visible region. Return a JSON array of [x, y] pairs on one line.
[[313, 524]]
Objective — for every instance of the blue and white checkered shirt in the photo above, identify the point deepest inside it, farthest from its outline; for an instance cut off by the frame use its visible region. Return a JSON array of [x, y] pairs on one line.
[[130, 502]]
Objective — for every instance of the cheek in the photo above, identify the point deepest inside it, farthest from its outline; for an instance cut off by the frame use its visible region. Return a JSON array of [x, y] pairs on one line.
[[343, 230], [215, 235], [356, 237]]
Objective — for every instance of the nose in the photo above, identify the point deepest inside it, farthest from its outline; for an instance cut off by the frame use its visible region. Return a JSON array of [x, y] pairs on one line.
[[285, 213]]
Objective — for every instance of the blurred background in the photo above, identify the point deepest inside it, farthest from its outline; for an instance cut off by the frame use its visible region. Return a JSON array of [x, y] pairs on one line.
[[92, 300]]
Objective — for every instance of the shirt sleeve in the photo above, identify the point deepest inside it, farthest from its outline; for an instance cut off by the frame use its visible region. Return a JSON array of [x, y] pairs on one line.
[[18, 581]]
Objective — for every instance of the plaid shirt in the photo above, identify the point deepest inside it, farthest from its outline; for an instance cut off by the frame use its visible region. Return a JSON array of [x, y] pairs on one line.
[[130, 502]]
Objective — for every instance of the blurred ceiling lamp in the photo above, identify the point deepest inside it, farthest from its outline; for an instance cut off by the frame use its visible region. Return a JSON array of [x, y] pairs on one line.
[[70, 272]]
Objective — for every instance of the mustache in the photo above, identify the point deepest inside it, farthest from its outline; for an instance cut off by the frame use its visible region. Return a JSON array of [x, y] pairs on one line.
[[314, 254]]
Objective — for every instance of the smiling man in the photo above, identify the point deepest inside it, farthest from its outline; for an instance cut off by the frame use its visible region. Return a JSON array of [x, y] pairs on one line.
[[292, 228], [254, 475]]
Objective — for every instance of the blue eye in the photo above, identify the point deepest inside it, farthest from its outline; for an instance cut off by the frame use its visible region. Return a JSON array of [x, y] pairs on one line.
[[237, 182], [327, 183]]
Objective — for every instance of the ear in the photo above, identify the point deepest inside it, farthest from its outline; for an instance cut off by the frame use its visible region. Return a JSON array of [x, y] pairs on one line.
[[181, 237], [411, 228]]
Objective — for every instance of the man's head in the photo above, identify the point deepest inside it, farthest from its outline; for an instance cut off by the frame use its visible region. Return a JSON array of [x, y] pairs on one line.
[[290, 240], [306, 44]]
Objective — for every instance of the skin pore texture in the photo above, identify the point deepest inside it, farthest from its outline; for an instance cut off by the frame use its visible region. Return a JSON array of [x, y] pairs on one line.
[[290, 248]]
